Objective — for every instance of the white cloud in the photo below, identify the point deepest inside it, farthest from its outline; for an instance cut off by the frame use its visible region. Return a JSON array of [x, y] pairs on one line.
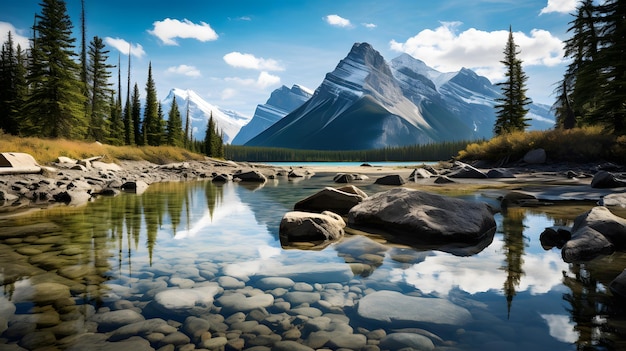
[[168, 29], [5, 28], [369, 25], [122, 46], [189, 71], [337, 21], [237, 59], [561, 327], [263, 81], [228, 93], [447, 50], [560, 6]]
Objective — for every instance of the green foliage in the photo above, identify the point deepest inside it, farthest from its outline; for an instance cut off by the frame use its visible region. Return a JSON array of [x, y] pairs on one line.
[[423, 152], [135, 116], [55, 104], [213, 145], [152, 126], [98, 76], [174, 126], [511, 109]]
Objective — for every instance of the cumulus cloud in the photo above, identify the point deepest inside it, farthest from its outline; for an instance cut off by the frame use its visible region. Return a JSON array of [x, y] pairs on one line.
[[185, 70], [228, 93], [338, 21], [249, 61], [169, 29], [123, 46], [445, 49], [263, 81], [5, 28], [560, 6], [369, 25]]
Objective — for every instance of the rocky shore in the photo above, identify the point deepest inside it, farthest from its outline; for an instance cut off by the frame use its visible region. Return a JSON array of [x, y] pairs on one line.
[[212, 305]]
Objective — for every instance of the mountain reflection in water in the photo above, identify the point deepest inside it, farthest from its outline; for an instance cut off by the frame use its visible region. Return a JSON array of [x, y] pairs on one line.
[[513, 287]]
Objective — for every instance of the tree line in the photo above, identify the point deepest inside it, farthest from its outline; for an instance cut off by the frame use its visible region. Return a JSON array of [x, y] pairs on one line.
[[49, 91], [422, 152]]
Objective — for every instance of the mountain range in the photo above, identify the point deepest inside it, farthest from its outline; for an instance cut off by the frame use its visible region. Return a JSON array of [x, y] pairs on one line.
[[364, 103], [229, 122], [367, 102], [282, 101]]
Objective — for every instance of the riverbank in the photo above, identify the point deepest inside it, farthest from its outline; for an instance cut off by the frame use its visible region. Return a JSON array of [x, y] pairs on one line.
[[75, 182]]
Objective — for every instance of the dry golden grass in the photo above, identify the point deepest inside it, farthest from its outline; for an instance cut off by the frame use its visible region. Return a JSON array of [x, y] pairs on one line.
[[574, 145], [46, 151]]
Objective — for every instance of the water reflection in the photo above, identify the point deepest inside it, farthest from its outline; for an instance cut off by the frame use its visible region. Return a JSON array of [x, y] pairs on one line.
[[176, 235]]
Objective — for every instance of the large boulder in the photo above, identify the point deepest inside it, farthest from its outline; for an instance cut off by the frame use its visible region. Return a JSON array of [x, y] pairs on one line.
[[251, 176], [463, 170], [304, 226], [393, 310], [586, 244], [424, 217], [606, 223], [330, 199], [343, 178], [615, 199], [606, 180], [392, 179], [419, 173], [535, 156]]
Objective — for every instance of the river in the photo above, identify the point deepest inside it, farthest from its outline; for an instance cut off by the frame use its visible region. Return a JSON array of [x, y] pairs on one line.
[[200, 250]]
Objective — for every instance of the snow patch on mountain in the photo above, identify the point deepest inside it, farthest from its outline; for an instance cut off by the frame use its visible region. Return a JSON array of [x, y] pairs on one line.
[[227, 121]]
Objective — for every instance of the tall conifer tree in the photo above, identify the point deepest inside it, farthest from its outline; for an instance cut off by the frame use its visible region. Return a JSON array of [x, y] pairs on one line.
[[511, 109], [174, 125], [56, 102], [99, 90], [151, 125], [136, 116]]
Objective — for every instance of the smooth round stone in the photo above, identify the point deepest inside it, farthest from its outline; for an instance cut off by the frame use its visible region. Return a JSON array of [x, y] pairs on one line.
[[303, 287], [288, 345], [75, 272], [155, 338], [349, 341], [184, 300], [42, 293], [398, 341], [156, 325], [215, 343], [112, 320], [300, 297], [292, 334], [37, 339], [269, 283], [176, 338], [282, 306], [228, 282], [28, 251], [245, 326], [195, 327], [18, 329], [265, 340], [235, 318], [310, 312], [72, 251], [183, 283], [67, 328], [240, 302]]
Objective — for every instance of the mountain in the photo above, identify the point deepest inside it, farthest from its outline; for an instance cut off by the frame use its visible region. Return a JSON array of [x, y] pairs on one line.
[[229, 122], [368, 103], [282, 101]]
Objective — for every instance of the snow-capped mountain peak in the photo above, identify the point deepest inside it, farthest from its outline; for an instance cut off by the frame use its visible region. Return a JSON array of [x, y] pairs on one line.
[[229, 122]]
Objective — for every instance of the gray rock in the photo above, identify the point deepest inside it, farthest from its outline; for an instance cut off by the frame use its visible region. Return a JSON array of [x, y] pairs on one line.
[[43, 293], [618, 285], [300, 297], [221, 178], [419, 173], [463, 170], [251, 176], [195, 327], [348, 341], [392, 179], [604, 180], [395, 310], [181, 301], [586, 244], [228, 282], [269, 283], [311, 273], [343, 178], [397, 341], [305, 226], [138, 187], [330, 199], [109, 321], [500, 173], [290, 346], [614, 200], [142, 328], [240, 302], [606, 223], [37, 339], [535, 156], [216, 343], [443, 180], [425, 217]]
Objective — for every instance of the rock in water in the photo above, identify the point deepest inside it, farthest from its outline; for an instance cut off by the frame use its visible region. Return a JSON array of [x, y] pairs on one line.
[[330, 199], [424, 217], [305, 226]]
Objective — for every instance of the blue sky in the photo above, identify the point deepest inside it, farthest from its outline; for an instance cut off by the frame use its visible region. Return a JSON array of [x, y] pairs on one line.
[[235, 53]]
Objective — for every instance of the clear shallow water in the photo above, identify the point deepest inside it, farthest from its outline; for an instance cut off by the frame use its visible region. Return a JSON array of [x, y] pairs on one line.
[[119, 253]]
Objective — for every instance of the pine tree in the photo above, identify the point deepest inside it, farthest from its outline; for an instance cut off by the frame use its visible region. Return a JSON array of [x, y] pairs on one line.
[[12, 89], [159, 137], [129, 134], [612, 48], [135, 114], [174, 125], [56, 102], [99, 90], [151, 125], [187, 139], [116, 125], [511, 109], [209, 136]]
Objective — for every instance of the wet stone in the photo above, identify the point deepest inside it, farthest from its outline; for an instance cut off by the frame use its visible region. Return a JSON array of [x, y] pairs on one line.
[[112, 320], [37, 339], [300, 297], [215, 343], [228, 282]]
